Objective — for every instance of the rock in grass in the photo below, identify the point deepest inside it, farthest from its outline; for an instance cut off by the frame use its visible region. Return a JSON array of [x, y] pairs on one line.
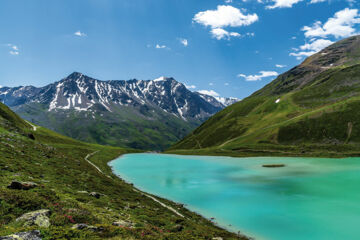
[[122, 223], [32, 235], [39, 218], [21, 185], [80, 226], [95, 194], [177, 228], [83, 226]]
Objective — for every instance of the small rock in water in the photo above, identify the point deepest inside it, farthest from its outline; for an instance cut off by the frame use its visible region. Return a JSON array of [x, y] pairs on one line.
[[32, 235], [21, 185], [217, 238], [273, 165], [39, 218]]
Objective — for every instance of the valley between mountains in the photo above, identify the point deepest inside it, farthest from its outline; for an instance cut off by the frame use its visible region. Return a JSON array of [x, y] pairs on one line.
[[148, 115], [58, 187]]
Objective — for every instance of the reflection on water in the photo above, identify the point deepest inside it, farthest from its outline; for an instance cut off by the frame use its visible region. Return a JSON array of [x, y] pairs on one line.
[[309, 198]]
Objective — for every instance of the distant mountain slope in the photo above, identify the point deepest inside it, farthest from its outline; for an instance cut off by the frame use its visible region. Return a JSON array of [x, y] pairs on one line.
[[59, 182], [312, 109], [142, 114]]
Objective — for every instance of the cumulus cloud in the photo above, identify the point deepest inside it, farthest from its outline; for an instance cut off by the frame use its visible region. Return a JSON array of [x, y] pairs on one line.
[[190, 86], [79, 34], [280, 66], [258, 77], [209, 92], [220, 33], [341, 25], [282, 4], [184, 41], [311, 48], [222, 17], [225, 16]]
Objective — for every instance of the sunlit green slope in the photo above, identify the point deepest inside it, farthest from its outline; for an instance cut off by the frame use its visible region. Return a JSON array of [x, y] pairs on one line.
[[313, 109]]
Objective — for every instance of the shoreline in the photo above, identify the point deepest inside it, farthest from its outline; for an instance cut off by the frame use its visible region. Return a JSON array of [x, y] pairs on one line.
[[225, 226]]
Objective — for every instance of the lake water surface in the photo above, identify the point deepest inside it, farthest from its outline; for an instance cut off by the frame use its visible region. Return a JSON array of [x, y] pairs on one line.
[[310, 198]]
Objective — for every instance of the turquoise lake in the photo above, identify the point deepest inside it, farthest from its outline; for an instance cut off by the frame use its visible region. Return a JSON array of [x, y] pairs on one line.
[[309, 198]]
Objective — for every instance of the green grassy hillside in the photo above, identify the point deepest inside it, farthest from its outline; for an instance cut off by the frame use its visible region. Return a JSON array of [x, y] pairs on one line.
[[64, 180], [313, 110]]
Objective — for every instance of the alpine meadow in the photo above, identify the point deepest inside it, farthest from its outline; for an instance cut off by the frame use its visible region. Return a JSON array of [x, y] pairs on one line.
[[179, 120]]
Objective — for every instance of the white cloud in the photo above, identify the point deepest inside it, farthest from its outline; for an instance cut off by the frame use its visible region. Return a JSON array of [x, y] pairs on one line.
[[283, 3], [301, 54], [280, 66], [317, 1], [79, 34], [341, 25], [228, 1], [224, 16], [220, 33], [316, 45], [14, 50], [14, 53], [190, 86], [311, 48], [226, 84], [211, 84], [160, 46], [260, 76], [184, 42], [209, 92]]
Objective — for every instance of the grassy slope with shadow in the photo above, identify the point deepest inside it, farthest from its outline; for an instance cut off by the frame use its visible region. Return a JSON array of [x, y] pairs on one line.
[[56, 163]]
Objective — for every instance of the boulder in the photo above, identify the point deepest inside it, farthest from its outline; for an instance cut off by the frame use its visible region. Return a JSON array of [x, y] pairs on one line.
[[217, 238], [177, 228], [39, 218], [21, 185], [31, 136], [80, 226], [95, 194], [83, 226], [122, 223], [32, 235]]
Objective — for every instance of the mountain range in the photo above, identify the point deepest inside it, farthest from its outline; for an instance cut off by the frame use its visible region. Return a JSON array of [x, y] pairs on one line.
[[312, 109], [144, 114]]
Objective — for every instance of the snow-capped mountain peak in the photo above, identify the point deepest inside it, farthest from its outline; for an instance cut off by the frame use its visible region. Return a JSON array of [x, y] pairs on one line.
[[82, 93]]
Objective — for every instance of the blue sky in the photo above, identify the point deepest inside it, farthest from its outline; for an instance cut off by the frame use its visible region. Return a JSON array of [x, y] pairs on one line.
[[230, 47]]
